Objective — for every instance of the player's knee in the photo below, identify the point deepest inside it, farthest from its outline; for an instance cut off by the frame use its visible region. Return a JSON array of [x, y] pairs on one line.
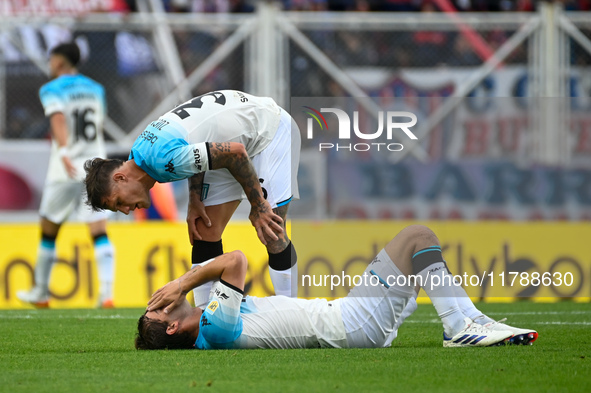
[[239, 259], [421, 236], [212, 233]]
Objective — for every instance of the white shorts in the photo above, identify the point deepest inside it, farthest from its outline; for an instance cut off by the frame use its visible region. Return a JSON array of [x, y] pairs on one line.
[[372, 313], [276, 166], [66, 200]]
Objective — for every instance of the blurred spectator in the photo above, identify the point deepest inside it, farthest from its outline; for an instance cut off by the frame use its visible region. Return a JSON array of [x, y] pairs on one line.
[[354, 51], [341, 5], [398, 5], [431, 46], [525, 6], [122, 6], [238, 6], [305, 5], [362, 6], [462, 54], [194, 47], [210, 6], [20, 125], [177, 5]]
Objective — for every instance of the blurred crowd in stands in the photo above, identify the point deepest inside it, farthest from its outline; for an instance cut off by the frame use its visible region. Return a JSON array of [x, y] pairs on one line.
[[355, 5], [130, 65]]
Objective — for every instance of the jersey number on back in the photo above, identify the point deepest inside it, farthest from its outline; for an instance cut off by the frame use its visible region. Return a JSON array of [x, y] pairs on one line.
[[197, 103], [84, 124]]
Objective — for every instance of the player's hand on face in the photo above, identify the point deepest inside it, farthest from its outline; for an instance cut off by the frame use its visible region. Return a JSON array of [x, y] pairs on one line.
[[195, 212], [267, 224], [70, 168], [169, 296]]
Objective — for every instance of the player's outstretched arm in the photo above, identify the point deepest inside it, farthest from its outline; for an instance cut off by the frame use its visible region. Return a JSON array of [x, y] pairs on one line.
[[230, 267], [196, 209], [233, 156]]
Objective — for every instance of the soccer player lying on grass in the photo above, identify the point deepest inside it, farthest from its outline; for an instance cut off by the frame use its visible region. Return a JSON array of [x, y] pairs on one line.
[[368, 316]]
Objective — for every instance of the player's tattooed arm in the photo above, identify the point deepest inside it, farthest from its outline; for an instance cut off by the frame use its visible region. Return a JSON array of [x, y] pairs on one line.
[[196, 209], [233, 156], [196, 185]]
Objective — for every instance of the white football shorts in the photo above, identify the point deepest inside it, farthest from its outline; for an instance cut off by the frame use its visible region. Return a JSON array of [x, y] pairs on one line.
[[276, 166], [66, 200], [372, 311]]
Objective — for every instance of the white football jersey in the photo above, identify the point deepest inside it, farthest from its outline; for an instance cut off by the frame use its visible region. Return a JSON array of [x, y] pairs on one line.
[[82, 102], [283, 322], [228, 116], [231, 321]]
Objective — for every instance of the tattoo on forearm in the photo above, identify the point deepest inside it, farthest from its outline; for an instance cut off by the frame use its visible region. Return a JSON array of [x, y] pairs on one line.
[[243, 171], [260, 206], [224, 147], [196, 184]]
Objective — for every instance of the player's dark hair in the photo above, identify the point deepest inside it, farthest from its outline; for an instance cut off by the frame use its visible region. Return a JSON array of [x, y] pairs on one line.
[[98, 180], [69, 51], [151, 334]]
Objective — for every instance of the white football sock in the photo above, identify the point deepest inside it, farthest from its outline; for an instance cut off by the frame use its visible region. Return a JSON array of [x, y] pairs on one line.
[[439, 286], [104, 254], [45, 259], [468, 308], [285, 281], [202, 293]]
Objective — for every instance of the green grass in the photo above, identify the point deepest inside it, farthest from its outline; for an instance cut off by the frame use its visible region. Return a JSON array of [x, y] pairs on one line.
[[92, 351]]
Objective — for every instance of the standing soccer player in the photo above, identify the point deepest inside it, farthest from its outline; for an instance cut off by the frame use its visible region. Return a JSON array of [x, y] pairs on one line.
[[76, 106]]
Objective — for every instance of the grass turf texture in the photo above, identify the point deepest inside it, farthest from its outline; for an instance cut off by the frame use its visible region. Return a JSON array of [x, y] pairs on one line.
[[92, 351]]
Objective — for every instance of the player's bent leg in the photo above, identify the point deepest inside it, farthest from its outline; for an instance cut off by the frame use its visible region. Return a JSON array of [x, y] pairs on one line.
[[372, 310], [211, 244], [416, 248], [283, 268], [407, 242], [39, 294], [410, 308], [104, 254], [277, 167], [219, 216], [373, 313]]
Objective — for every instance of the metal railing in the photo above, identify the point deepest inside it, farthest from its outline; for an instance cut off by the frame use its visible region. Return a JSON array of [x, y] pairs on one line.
[[285, 54]]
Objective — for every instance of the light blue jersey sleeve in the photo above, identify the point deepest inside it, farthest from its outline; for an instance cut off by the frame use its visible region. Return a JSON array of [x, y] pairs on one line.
[[51, 99], [163, 152], [221, 325]]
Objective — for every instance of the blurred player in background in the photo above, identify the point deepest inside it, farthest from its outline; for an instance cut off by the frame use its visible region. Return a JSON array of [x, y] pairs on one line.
[[230, 145], [76, 107]]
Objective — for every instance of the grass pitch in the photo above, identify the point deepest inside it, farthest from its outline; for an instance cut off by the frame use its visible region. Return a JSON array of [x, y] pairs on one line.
[[92, 351]]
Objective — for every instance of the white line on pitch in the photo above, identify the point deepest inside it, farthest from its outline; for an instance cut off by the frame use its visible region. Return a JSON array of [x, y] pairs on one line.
[[540, 313], [438, 321], [53, 316]]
